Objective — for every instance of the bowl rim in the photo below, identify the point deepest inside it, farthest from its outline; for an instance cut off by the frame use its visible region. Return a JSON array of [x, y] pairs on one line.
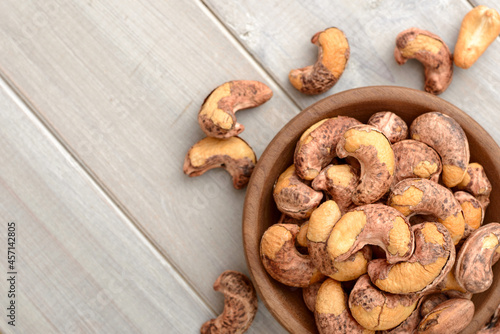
[[303, 120]]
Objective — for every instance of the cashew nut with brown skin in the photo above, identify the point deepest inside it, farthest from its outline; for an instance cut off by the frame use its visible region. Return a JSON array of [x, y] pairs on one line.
[[415, 159], [377, 310], [333, 55], [414, 196], [474, 260], [476, 182], [446, 136], [450, 317], [391, 125], [216, 116], [473, 211], [293, 197], [321, 224], [331, 311], [282, 260], [309, 294], [372, 224], [233, 154], [240, 304], [432, 52], [339, 182], [480, 27], [316, 147], [374, 153], [432, 259]]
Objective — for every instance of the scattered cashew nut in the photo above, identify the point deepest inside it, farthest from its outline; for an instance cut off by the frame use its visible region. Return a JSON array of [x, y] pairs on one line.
[[413, 196], [480, 27], [293, 197], [432, 52], [374, 152], [316, 147], [391, 125], [474, 260], [240, 304], [232, 154], [282, 260], [333, 55], [446, 136], [450, 317], [216, 116], [432, 259]]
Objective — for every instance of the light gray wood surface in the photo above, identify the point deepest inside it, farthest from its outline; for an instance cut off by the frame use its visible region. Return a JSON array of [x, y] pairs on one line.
[[111, 92]]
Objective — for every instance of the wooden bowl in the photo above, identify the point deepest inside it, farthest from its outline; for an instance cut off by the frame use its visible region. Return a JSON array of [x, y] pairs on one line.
[[260, 212]]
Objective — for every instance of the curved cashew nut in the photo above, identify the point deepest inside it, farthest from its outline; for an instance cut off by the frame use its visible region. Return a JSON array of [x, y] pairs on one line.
[[432, 52], [451, 316], [333, 55], [391, 125], [282, 260], [216, 116], [415, 159], [373, 151], [240, 304], [331, 311], [413, 196], [474, 260], [293, 197], [316, 147], [473, 211], [233, 154], [378, 310], [373, 224], [321, 223], [339, 181], [480, 27], [309, 294], [477, 183], [433, 258], [446, 136]]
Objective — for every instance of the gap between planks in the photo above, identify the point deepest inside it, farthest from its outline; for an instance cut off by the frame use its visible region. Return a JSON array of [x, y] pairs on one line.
[[20, 98]]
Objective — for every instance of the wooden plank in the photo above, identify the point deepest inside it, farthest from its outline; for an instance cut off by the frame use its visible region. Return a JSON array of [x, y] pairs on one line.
[[80, 266], [120, 83], [278, 37]]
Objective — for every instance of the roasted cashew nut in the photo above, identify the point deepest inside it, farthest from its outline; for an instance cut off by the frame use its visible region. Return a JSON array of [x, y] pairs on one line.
[[477, 183], [415, 159], [233, 154], [432, 52], [378, 310], [339, 182], [309, 294], [451, 317], [473, 211], [446, 136], [474, 260], [333, 55], [373, 224], [282, 260], [414, 196], [432, 259], [429, 302], [240, 304], [374, 153], [293, 197], [216, 116], [316, 147], [391, 125], [331, 311], [321, 224], [480, 27]]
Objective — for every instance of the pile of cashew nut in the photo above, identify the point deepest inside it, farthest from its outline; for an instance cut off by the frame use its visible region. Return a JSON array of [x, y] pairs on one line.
[[384, 233]]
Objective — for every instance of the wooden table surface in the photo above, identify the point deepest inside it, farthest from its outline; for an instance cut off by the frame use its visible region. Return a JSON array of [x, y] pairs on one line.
[[98, 107]]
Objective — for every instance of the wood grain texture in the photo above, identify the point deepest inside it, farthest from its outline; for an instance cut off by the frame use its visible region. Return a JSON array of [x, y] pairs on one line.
[[81, 267], [260, 211], [121, 83], [278, 36]]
